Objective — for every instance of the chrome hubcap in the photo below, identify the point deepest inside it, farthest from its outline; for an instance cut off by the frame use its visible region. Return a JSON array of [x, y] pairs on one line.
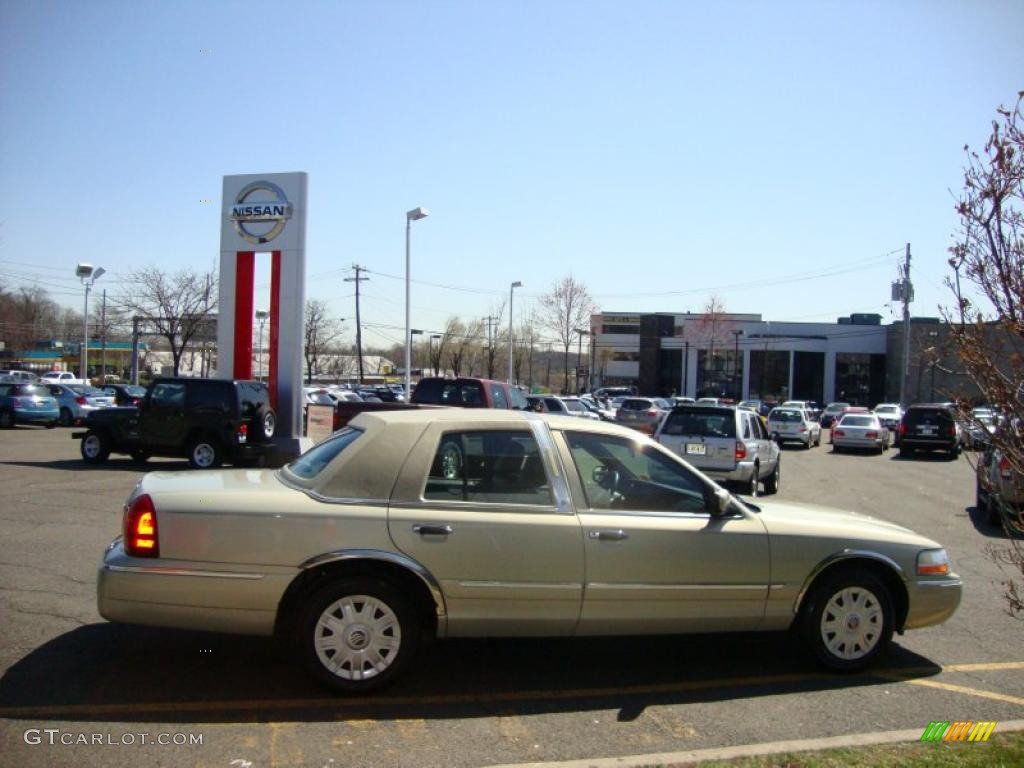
[[450, 463], [91, 446], [852, 623], [357, 637]]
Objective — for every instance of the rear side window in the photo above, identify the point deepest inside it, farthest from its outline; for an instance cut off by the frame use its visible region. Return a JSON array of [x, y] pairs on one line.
[[500, 401], [441, 392], [636, 405], [211, 395], [495, 467], [519, 400], [312, 462], [702, 422]]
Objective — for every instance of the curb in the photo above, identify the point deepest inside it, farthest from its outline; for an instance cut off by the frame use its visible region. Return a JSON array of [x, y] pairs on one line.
[[748, 750]]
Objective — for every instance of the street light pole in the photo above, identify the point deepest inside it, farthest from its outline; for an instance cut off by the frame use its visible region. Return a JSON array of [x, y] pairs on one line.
[[433, 365], [511, 296], [736, 367], [88, 275], [579, 355], [414, 215]]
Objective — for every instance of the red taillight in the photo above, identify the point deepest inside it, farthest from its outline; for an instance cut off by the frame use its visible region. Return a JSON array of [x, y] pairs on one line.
[[741, 449], [80, 400], [838, 433], [652, 412], [871, 434], [135, 401], [1004, 468], [803, 429], [243, 433], [903, 428], [952, 430], [140, 533]]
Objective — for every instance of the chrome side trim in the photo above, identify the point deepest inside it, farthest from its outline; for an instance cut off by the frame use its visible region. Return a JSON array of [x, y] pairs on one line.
[[846, 554], [381, 503], [954, 583], [159, 571], [388, 557], [520, 585], [676, 587]]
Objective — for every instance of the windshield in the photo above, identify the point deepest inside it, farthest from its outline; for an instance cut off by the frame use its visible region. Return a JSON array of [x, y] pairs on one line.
[[858, 421], [786, 417]]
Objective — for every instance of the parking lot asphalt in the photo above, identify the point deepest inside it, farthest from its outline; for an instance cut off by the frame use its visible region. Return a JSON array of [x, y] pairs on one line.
[[67, 675]]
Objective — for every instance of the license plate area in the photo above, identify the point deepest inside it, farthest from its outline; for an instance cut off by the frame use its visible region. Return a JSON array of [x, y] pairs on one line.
[[696, 449]]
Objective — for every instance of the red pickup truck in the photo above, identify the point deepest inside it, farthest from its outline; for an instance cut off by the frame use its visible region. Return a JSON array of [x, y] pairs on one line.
[[463, 392]]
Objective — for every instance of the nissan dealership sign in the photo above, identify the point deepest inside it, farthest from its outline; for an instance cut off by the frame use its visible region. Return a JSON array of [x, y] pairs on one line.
[[260, 212], [263, 210]]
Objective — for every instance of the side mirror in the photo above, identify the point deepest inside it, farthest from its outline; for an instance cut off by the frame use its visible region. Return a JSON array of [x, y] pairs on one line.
[[717, 500]]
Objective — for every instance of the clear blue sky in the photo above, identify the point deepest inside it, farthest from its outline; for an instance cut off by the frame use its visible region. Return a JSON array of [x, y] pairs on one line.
[[658, 151]]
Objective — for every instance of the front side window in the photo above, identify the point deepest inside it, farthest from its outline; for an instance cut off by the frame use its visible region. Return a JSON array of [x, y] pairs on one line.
[[490, 466], [622, 474], [500, 401]]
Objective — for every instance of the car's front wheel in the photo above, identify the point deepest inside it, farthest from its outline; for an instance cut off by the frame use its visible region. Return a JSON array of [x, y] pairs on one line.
[[6, 419], [205, 453], [95, 447], [848, 619], [356, 634]]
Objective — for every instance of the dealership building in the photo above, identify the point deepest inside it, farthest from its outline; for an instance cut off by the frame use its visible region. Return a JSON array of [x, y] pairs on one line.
[[746, 357]]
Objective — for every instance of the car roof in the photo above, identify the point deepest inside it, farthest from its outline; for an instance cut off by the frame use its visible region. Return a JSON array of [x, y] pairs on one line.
[[480, 417]]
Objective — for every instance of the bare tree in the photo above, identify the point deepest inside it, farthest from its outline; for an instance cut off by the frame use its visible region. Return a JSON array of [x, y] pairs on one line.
[[564, 309], [713, 328], [176, 306], [988, 322], [320, 331]]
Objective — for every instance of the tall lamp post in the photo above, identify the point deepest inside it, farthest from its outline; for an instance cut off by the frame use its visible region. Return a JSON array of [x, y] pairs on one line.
[[88, 275], [511, 296], [414, 332], [414, 215], [736, 367], [579, 355], [261, 315], [430, 345]]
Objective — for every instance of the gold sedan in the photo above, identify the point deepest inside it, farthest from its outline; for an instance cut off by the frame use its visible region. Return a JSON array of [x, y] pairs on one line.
[[474, 523]]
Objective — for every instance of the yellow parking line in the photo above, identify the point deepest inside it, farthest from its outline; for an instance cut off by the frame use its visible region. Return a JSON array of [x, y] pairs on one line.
[[969, 691], [983, 667]]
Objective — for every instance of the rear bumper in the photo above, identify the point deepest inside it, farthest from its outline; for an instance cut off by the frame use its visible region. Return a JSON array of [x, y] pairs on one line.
[[188, 595], [742, 473], [927, 445], [853, 442]]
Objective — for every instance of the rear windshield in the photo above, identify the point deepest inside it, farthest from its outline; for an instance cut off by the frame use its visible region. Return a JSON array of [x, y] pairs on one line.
[[312, 462], [703, 423], [836, 407], [857, 421], [29, 389], [81, 389], [786, 417], [446, 392], [930, 416], [635, 405]]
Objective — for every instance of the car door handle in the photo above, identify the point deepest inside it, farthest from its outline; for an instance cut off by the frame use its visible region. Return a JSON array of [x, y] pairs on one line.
[[432, 530], [618, 535]]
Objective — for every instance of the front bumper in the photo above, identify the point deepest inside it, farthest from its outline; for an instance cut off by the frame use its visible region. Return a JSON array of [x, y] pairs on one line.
[[932, 601]]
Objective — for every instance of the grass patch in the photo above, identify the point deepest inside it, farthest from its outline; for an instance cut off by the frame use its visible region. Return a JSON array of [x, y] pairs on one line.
[[1002, 750]]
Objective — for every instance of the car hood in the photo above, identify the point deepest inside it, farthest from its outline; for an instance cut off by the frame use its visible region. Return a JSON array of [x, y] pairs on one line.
[[795, 518]]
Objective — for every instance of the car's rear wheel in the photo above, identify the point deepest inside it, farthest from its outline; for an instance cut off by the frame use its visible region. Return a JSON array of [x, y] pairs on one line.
[[6, 419], [755, 481], [95, 447], [140, 456], [906, 452], [66, 419], [51, 424], [848, 619], [205, 452], [771, 483], [356, 634]]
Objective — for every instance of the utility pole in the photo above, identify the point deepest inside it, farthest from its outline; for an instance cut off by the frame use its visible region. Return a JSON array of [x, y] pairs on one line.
[[490, 320], [359, 326], [103, 340], [904, 289]]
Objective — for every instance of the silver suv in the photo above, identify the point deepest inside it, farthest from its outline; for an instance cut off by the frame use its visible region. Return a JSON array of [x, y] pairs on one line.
[[727, 444]]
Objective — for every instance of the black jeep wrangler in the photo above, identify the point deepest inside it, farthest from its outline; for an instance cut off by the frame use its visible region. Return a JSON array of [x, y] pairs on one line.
[[209, 421]]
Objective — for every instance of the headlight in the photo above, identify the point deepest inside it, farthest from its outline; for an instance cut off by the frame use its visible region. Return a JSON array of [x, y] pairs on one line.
[[932, 562]]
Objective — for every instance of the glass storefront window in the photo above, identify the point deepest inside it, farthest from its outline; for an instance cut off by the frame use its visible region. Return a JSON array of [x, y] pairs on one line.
[[719, 374]]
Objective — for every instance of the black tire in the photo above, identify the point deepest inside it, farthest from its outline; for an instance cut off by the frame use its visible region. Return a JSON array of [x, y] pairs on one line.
[[66, 420], [396, 637], [810, 442], [140, 456], [755, 481], [6, 419], [771, 483], [817, 440], [867, 602], [51, 424], [986, 505], [95, 446], [205, 452], [836, 449], [906, 452]]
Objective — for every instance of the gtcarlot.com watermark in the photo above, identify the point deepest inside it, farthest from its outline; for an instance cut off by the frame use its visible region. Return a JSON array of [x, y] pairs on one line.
[[56, 737]]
